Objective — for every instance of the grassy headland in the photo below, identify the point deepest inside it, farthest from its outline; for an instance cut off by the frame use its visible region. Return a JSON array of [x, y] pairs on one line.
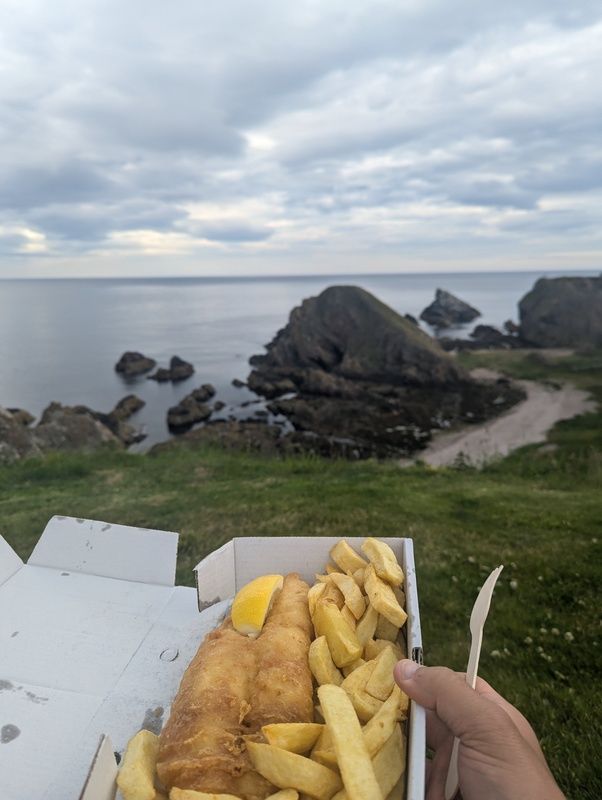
[[538, 512]]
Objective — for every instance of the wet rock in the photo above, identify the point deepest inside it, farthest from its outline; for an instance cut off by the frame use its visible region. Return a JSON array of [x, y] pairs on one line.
[[218, 405], [178, 370], [162, 375], [446, 310], [191, 409], [237, 383], [127, 406], [132, 363]]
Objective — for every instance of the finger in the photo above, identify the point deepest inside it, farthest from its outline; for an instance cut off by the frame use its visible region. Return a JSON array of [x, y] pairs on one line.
[[462, 710], [438, 772], [521, 722]]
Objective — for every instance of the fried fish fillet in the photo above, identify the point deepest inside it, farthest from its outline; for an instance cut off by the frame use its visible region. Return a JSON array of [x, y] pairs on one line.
[[232, 687]]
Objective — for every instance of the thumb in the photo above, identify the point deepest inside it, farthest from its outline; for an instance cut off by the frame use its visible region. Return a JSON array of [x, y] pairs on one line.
[[460, 708]]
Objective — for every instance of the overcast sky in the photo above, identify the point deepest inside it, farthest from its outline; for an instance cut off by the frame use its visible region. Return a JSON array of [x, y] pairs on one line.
[[234, 137]]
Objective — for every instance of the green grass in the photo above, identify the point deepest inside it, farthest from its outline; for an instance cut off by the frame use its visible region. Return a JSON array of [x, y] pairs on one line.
[[539, 514]]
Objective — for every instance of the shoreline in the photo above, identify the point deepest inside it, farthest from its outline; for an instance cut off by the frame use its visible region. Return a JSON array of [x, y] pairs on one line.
[[529, 422]]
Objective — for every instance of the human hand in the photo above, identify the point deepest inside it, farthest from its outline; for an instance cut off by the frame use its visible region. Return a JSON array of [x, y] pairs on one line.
[[499, 756]]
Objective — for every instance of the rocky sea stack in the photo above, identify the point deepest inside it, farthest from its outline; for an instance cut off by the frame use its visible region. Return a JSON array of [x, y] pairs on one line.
[[562, 312], [447, 310], [348, 366]]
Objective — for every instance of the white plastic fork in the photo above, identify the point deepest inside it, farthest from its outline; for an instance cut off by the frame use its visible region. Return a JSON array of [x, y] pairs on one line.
[[477, 622]]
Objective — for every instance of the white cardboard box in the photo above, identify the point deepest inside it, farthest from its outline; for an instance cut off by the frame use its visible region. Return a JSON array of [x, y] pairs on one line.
[[94, 639]]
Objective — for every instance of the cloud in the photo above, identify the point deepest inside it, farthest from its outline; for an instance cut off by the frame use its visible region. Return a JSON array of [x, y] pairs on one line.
[[222, 132]]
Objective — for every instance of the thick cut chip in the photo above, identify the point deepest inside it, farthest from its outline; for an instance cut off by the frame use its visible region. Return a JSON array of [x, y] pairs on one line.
[[342, 641], [330, 568], [321, 664], [383, 559], [382, 598], [314, 594], [359, 677], [333, 593], [386, 629], [345, 556], [348, 616], [284, 794], [136, 778], [390, 761], [366, 627], [291, 771], [381, 682], [297, 737], [351, 592], [378, 730], [353, 666], [253, 602], [358, 576], [375, 646], [353, 758], [192, 794], [365, 705]]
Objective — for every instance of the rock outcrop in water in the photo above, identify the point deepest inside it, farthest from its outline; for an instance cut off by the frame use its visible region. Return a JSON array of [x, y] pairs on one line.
[[178, 370], [350, 368], [563, 312], [67, 429], [447, 310], [191, 409], [132, 363]]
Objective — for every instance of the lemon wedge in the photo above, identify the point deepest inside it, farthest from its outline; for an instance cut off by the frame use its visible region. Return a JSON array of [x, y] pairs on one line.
[[253, 602]]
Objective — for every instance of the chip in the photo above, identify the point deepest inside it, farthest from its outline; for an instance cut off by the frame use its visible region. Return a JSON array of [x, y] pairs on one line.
[[357, 772], [291, 771], [297, 737], [136, 777], [382, 598], [383, 560]]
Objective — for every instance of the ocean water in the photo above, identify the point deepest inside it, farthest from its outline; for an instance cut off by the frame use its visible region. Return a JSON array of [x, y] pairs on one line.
[[60, 339]]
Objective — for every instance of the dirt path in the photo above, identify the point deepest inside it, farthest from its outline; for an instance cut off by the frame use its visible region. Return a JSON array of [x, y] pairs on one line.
[[526, 423]]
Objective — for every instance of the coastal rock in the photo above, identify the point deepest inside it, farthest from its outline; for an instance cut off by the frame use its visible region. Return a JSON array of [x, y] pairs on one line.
[[67, 429], [447, 310], [162, 375], [237, 383], [191, 409], [127, 406], [511, 327], [21, 416], [71, 428], [218, 405], [562, 312], [132, 363], [16, 440], [255, 436], [178, 370], [348, 367]]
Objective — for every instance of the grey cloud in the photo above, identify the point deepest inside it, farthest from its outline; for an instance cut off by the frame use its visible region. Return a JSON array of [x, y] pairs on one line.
[[28, 186], [114, 117], [237, 232]]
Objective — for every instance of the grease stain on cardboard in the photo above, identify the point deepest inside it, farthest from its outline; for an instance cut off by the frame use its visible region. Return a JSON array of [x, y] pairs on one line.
[[8, 733]]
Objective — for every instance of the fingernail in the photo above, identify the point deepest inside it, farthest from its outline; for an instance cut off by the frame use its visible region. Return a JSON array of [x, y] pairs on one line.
[[406, 669]]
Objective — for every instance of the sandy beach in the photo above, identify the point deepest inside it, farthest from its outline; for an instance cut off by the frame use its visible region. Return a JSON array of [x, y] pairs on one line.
[[526, 423]]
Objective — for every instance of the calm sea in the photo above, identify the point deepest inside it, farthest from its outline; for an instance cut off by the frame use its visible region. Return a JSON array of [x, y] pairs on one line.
[[60, 339]]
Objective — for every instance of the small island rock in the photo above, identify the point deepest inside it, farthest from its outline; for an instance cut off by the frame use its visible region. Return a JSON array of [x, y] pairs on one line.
[[447, 310], [132, 363]]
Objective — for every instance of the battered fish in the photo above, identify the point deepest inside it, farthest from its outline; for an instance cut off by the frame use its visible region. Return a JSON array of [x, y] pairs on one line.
[[232, 687]]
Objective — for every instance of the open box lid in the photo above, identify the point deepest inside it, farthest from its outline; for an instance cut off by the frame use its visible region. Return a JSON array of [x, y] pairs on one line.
[[73, 619]]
